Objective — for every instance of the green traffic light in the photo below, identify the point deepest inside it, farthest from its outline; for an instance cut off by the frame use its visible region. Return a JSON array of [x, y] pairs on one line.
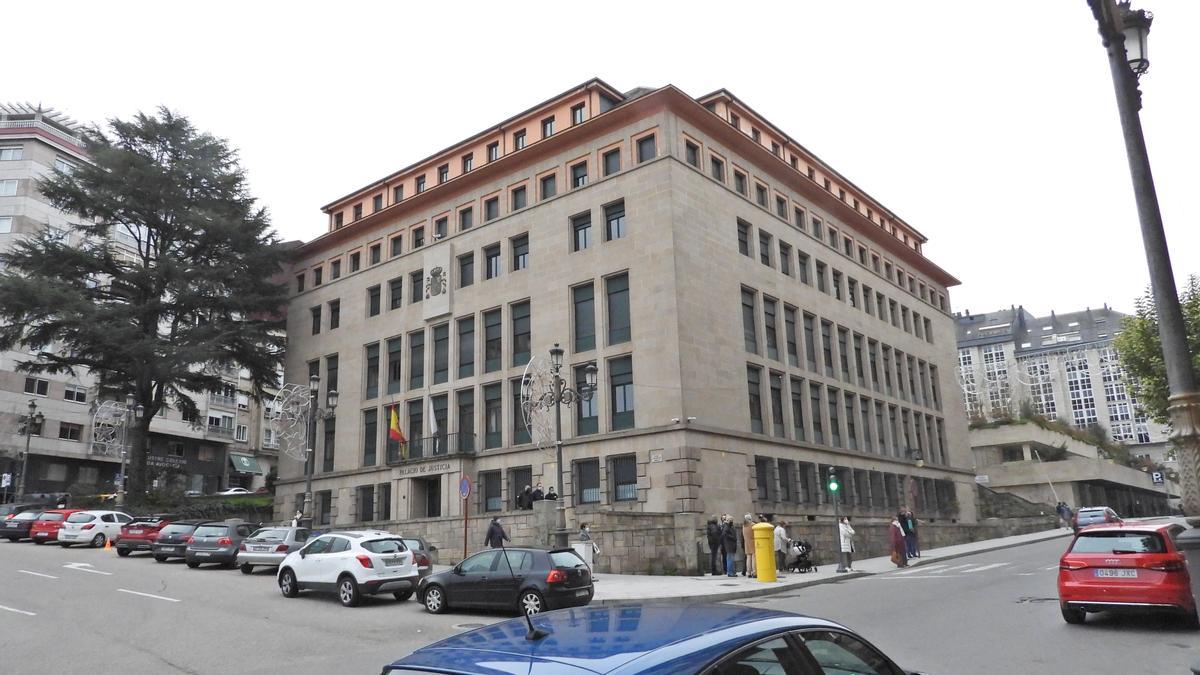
[[833, 486]]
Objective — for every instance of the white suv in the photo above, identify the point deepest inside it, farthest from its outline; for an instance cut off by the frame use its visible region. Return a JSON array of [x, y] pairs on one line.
[[93, 528], [352, 564]]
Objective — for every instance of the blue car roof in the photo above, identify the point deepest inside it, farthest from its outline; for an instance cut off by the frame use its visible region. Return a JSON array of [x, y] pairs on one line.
[[649, 638]]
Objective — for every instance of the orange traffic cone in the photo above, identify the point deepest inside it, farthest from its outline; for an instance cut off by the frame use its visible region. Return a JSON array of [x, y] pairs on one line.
[[107, 544]]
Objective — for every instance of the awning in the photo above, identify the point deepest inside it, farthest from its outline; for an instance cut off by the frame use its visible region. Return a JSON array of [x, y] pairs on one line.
[[244, 463]]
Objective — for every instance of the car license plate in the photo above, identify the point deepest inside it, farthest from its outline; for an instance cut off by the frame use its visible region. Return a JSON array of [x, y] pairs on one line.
[[201, 554], [580, 594], [260, 548], [41, 534], [135, 532], [392, 562], [1119, 574]]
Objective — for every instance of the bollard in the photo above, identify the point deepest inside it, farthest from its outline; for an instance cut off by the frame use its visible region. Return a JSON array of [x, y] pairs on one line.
[[764, 551]]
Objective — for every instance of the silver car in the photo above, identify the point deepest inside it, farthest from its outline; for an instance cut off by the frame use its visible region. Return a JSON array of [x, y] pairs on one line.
[[268, 546]]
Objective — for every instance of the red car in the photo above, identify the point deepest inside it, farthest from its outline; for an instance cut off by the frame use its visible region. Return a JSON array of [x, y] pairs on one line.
[[1125, 567], [139, 534], [46, 527]]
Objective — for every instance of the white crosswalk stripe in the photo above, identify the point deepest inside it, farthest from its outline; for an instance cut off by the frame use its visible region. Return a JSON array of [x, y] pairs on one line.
[[985, 567], [922, 568], [956, 567]]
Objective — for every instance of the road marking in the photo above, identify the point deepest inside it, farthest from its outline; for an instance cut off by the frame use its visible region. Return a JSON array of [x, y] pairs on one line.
[[1051, 568], [83, 567], [956, 567], [985, 567], [931, 576], [922, 568], [37, 574], [17, 611], [148, 595]]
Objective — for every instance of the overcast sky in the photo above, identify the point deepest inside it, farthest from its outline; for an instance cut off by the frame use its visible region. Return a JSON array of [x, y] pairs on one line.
[[989, 126]]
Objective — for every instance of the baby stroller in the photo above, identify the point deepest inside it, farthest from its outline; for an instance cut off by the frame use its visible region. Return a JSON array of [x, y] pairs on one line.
[[799, 558]]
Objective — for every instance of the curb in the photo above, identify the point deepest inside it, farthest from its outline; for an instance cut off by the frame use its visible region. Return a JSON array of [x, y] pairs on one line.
[[774, 589]]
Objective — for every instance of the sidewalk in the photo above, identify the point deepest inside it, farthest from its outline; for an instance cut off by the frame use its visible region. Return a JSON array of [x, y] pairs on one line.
[[614, 589]]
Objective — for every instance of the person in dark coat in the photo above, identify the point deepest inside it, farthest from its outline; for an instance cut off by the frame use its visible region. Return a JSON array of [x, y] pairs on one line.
[[496, 536], [896, 539], [551, 495], [525, 498], [729, 538], [713, 531], [537, 495], [908, 523]]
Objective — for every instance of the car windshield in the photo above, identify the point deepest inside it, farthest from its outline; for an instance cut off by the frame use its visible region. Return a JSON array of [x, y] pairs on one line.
[[80, 518], [1119, 542], [385, 546], [27, 515], [566, 559], [274, 534], [211, 531], [414, 544], [51, 517], [178, 529]]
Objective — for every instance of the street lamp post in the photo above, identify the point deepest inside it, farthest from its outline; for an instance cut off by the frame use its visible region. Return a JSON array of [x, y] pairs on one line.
[[314, 411], [560, 393], [31, 421], [1124, 32], [133, 411]]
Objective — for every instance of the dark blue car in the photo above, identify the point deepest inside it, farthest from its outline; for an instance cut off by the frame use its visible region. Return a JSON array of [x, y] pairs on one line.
[[675, 639]]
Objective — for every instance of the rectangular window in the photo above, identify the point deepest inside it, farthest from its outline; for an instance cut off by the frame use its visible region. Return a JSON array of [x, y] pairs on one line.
[[549, 186], [416, 419], [822, 283], [441, 353], [785, 259], [491, 260], [316, 319], [760, 195], [827, 346], [852, 292], [520, 432], [584, 302], [466, 218], [743, 233], [835, 425], [36, 386], [581, 231], [492, 346], [395, 374], [491, 209], [489, 490], [518, 198], [358, 210], [370, 426], [374, 254], [620, 377], [519, 140], [328, 450], [318, 276], [377, 203], [587, 475], [415, 281], [466, 346], [372, 375], [335, 270], [11, 154], [692, 152], [396, 245], [577, 114], [373, 294], [548, 127], [466, 420], [764, 248], [754, 392], [493, 419], [395, 293], [75, 393], [797, 396], [418, 237], [440, 228], [717, 169], [587, 414], [416, 359], [468, 162], [837, 285], [466, 270], [646, 149], [624, 478], [770, 321], [810, 342], [749, 321], [420, 184], [781, 205], [739, 182], [397, 194], [789, 320], [520, 252], [614, 221], [71, 432], [299, 277], [366, 502], [521, 333], [802, 268], [851, 427], [777, 405], [617, 288], [814, 391], [493, 151], [843, 337], [611, 161], [579, 175]]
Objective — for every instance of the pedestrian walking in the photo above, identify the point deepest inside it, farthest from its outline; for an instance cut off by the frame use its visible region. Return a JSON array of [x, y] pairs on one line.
[[551, 495], [781, 546], [1064, 512], [729, 542], [908, 523], [537, 495], [748, 544], [712, 531], [496, 536], [896, 538], [585, 535], [846, 544]]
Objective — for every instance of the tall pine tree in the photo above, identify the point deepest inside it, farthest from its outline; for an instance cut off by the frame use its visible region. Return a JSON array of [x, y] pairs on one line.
[[191, 290]]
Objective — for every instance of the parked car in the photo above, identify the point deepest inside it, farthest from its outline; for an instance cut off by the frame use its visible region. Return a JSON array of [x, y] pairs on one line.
[[1126, 567], [352, 564], [628, 639], [216, 542], [46, 527], [423, 553], [267, 547], [1090, 515], [139, 534], [233, 491], [531, 580], [172, 540], [9, 510], [92, 527], [16, 527]]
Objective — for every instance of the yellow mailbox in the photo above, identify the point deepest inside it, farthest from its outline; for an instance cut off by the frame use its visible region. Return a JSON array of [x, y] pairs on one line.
[[764, 551]]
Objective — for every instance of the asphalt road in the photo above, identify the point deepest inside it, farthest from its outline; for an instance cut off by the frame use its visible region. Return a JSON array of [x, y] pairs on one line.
[[993, 613]]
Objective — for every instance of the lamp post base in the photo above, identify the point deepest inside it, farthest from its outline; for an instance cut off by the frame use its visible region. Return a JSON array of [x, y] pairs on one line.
[[1184, 411], [561, 535]]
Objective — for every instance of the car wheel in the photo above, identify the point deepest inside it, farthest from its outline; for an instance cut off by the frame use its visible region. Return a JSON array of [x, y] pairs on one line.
[[98, 541], [14, 539], [348, 591], [1191, 621], [402, 595], [193, 564], [435, 600], [39, 542], [531, 602], [1072, 615], [63, 544], [123, 552], [288, 585], [160, 558], [246, 569]]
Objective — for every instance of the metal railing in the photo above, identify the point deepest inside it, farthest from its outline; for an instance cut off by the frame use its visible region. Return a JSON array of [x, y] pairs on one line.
[[222, 400], [224, 432], [432, 446], [37, 124]]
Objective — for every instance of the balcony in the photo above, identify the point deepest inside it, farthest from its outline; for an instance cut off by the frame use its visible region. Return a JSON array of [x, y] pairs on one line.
[[221, 433], [442, 445], [223, 401], [37, 124]]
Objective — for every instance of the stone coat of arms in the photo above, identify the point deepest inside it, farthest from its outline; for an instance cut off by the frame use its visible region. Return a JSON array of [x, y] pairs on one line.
[[435, 283]]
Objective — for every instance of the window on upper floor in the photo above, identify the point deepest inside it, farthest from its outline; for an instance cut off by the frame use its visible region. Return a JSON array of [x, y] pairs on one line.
[[440, 227], [518, 139], [420, 185], [581, 231], [376, 203], [612, 161], [397, 194], [760, 195], [396, 245], [493, 151], [466, 218], [418, 237], [468, 162], [443, 173], [520, 252], [743, 235], [579, 175], [358, 211], [692, 151], [548, 127], [781, 205], [337, 220], [756, 135], [549, 186], [646, 149], [373, 254], [717, 169], [491, 259], [739, 182], [577, 112], [466, 270], [355, 261], [335, 270], [519, 199], [614, 220], [491, 209]]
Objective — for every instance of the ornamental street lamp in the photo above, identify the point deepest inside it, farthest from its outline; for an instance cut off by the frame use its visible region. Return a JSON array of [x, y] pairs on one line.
[[133, 410], [30, 424], [1124, 32], [314, 412], [559, 393]]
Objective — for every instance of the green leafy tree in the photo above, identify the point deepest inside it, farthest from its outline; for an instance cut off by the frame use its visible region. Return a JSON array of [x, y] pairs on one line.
[[171, 276], [1141, 349]]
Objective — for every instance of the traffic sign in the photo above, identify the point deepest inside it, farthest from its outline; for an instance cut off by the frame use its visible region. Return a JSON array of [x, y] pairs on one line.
[[5, 480], [1158, 478], [464, 487]]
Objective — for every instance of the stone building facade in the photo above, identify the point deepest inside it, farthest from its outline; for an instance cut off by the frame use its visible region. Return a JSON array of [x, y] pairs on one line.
[[753, 315]]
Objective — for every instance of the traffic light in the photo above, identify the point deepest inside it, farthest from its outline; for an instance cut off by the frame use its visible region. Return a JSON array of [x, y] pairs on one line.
[[833, 484]]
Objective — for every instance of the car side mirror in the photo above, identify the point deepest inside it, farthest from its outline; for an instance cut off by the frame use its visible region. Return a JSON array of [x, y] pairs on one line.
[[303, 553], [458, 570]]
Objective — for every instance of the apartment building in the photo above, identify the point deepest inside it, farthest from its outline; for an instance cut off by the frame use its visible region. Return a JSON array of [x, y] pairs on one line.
[[754, 317]]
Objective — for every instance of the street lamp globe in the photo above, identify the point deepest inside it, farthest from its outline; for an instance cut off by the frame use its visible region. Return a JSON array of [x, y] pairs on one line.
[[331, 399], [314, 383], [590, 374], [556, 357], [1135, 24], [129, 400], [140, 411]]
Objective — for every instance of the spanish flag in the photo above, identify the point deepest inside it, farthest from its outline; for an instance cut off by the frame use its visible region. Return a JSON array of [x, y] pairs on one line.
[[394, 432]]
